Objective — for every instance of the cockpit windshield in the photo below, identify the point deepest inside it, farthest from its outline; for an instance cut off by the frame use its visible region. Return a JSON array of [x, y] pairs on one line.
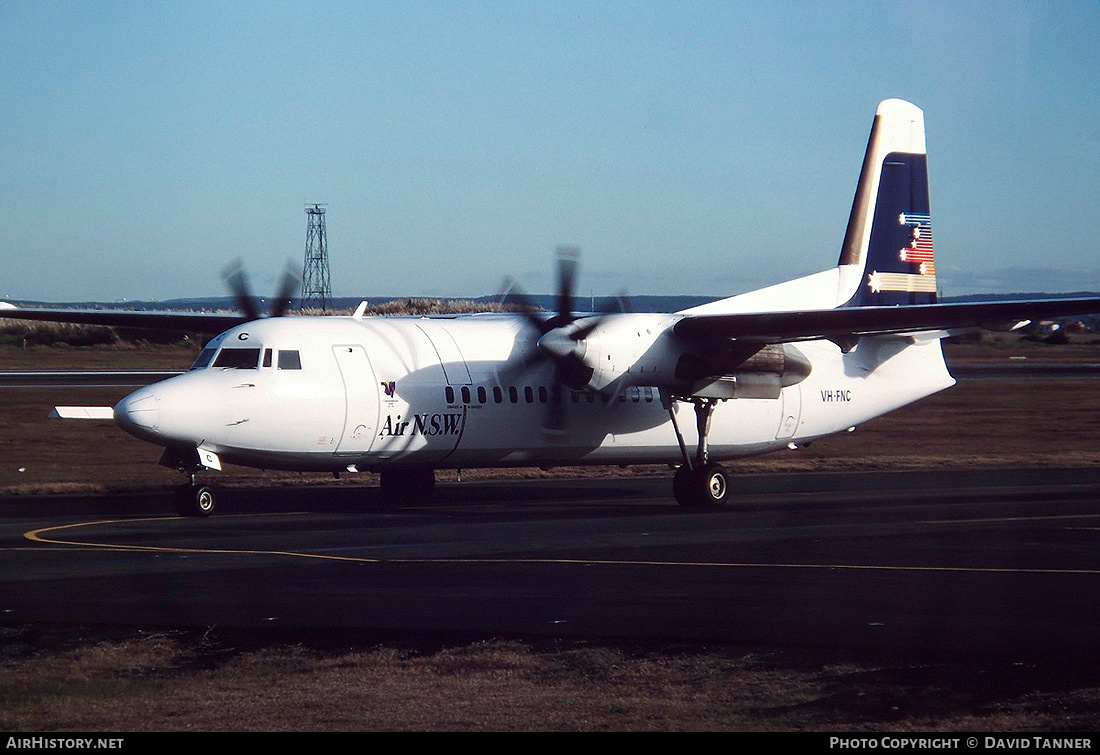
[[238, 359], [231, 358], [203, 360]]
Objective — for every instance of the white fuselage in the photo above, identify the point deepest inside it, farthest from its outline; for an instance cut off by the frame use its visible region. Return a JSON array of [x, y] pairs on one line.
[[334, 393]]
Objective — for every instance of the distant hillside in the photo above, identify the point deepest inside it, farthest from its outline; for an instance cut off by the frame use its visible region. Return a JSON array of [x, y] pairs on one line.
[[545, 301], [349, 303], [1017, 296]]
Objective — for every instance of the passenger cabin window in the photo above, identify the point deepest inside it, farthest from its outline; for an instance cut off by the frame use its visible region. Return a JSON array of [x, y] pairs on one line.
[[290, 360], [203, 360], [238, 359]]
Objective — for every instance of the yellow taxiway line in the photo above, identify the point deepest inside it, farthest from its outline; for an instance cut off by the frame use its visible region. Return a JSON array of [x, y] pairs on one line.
[[38, 536]]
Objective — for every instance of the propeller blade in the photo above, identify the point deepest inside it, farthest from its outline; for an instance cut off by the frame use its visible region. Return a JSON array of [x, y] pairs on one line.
[[585, 330], [559, 342], [237, 282], [574, 372], [512, 295], [512, 371], [288, 289], [555, 419], [568, 262], [618, 305]]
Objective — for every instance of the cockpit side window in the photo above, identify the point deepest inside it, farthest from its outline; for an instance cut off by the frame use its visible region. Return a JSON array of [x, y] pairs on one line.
[[290, 360], [238, 359], [203, 360]]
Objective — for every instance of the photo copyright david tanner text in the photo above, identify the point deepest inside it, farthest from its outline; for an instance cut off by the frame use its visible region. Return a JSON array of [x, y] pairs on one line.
[[985, 742]]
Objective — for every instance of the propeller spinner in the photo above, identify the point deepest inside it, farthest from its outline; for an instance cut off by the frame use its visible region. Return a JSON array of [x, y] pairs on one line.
[[562, 336]]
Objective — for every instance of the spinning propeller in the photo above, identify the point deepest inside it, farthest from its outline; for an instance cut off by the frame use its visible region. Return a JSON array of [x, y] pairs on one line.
[[562, 336], [237, 281]]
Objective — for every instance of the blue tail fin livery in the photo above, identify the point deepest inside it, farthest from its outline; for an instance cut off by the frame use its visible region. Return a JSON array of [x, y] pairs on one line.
[[889, 235]]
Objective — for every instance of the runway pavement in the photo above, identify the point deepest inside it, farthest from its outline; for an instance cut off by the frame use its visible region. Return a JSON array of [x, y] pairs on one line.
[[988, 562]]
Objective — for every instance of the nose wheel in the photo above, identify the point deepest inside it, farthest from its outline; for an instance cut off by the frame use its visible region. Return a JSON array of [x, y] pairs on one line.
[[192, 498], [196, 500]]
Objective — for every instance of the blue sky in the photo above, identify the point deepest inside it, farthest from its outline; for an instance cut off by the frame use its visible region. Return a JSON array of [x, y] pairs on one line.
[[686, 147]]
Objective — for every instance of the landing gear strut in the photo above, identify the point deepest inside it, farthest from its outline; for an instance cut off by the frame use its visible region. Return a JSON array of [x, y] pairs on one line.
[[699, 481]]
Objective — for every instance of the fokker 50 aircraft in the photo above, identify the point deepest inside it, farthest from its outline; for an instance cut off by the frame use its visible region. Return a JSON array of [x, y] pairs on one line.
[[404, 396]]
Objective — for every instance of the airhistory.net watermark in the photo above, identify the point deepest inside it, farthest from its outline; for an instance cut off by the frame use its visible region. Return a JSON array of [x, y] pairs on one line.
[[63, 743]]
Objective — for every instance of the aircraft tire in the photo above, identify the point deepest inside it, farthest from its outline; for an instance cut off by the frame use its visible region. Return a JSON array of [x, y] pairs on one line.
[[707, 486], [197, 500], [682, 487], [713, 485]]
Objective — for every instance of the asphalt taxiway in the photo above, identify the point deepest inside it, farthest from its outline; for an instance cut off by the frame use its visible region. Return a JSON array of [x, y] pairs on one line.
[[951, 562]]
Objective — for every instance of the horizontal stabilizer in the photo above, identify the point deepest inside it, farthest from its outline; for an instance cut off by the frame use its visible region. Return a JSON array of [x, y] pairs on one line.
[[82, 412]]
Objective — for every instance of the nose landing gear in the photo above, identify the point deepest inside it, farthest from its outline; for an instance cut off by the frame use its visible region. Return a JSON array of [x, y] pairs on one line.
[[193, 499]]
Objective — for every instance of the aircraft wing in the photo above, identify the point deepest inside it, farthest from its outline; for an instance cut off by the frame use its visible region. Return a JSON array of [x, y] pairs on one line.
[[843, 324], [205, 322]]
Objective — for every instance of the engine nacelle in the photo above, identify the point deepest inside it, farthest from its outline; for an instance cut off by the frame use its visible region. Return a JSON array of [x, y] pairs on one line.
[[730, 374], [638, 349], [632, 349]]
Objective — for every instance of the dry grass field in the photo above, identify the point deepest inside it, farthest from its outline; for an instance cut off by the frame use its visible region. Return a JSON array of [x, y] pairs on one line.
[[130, 679], [68, 679]]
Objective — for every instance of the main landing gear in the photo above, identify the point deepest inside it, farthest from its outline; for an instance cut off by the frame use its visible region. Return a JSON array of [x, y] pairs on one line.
[[699, 482]]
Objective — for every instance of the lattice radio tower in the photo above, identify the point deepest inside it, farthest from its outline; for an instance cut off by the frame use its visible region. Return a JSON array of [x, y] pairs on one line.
[[316, 290]]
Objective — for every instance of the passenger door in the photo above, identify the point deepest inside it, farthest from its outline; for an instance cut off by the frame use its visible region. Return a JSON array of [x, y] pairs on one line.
[[361, 400]]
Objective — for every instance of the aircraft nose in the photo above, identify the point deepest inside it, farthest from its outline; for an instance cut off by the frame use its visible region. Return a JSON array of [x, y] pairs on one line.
[[138, 413]]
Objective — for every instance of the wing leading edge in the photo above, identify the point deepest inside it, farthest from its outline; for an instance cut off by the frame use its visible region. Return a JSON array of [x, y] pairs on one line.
[[843, 324]]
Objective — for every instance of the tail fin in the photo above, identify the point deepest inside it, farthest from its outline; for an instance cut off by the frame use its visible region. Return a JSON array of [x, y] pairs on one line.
[[887, 254]]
